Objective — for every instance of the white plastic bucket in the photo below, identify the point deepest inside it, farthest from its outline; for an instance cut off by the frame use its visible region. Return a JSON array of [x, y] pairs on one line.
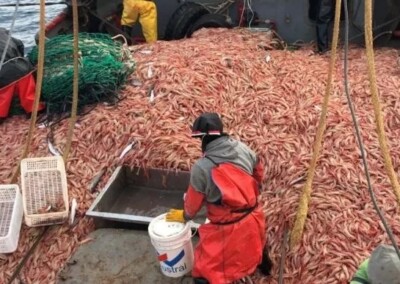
[[173, 244]]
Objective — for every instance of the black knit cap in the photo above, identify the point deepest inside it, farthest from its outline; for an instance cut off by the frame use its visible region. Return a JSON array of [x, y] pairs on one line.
[[209, 123]]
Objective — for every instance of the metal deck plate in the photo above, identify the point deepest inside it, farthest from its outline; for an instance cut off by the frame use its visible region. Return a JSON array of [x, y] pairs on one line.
[[116, 256]]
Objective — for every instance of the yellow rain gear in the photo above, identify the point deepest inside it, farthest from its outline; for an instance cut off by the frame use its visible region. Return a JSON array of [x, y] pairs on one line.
[[146, 11]]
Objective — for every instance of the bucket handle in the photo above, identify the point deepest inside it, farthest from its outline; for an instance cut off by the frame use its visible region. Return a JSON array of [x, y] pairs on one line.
[[194, 233], [196, 228]]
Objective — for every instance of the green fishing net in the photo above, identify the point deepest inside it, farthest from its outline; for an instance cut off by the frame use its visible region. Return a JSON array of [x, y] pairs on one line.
[[104, 66]]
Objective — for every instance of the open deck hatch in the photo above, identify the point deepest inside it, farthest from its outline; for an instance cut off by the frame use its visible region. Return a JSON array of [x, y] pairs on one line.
[[137, 195]]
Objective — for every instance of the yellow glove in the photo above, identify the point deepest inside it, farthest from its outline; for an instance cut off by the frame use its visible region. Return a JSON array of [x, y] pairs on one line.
[[175, 215]]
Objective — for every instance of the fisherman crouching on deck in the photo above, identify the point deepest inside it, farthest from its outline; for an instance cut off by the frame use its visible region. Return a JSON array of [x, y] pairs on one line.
[[227, 180]]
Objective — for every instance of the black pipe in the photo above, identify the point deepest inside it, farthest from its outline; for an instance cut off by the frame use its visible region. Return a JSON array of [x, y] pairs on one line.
[[375, 28]]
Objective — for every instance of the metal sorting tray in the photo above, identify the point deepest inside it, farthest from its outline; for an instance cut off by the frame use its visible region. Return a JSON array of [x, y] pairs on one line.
[[136, 196]]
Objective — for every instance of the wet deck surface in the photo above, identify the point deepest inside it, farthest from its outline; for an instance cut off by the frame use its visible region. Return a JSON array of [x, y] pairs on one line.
[[116, 256]]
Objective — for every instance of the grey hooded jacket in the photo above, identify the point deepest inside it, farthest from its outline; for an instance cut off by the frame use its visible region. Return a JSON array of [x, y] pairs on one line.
[[224, 149]]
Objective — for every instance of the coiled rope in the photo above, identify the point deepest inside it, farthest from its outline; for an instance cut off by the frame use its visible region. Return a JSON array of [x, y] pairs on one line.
[[305, 198], [35, 109], [306, 194], [38, 89], [358, 134], [75, 81], [375, 100]]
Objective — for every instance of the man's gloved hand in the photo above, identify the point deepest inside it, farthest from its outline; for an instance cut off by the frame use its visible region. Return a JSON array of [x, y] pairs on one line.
[[175, 215]]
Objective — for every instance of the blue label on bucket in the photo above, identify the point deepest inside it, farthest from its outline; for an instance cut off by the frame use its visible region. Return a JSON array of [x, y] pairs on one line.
[[175, 260], [170, 264]]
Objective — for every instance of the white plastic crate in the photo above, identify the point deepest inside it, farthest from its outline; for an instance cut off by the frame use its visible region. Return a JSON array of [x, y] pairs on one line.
[[10, 217], [44, 191]]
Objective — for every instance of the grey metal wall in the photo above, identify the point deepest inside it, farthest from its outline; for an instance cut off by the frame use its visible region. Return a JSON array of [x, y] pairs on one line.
[[292, 22], [290, 16]]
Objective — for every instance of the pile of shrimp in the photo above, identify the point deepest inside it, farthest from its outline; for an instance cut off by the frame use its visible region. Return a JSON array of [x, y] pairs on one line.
[[270, 98]]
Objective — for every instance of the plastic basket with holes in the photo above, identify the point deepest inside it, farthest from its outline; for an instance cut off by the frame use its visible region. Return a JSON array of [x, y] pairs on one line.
[[10, 217], [44, 191]]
